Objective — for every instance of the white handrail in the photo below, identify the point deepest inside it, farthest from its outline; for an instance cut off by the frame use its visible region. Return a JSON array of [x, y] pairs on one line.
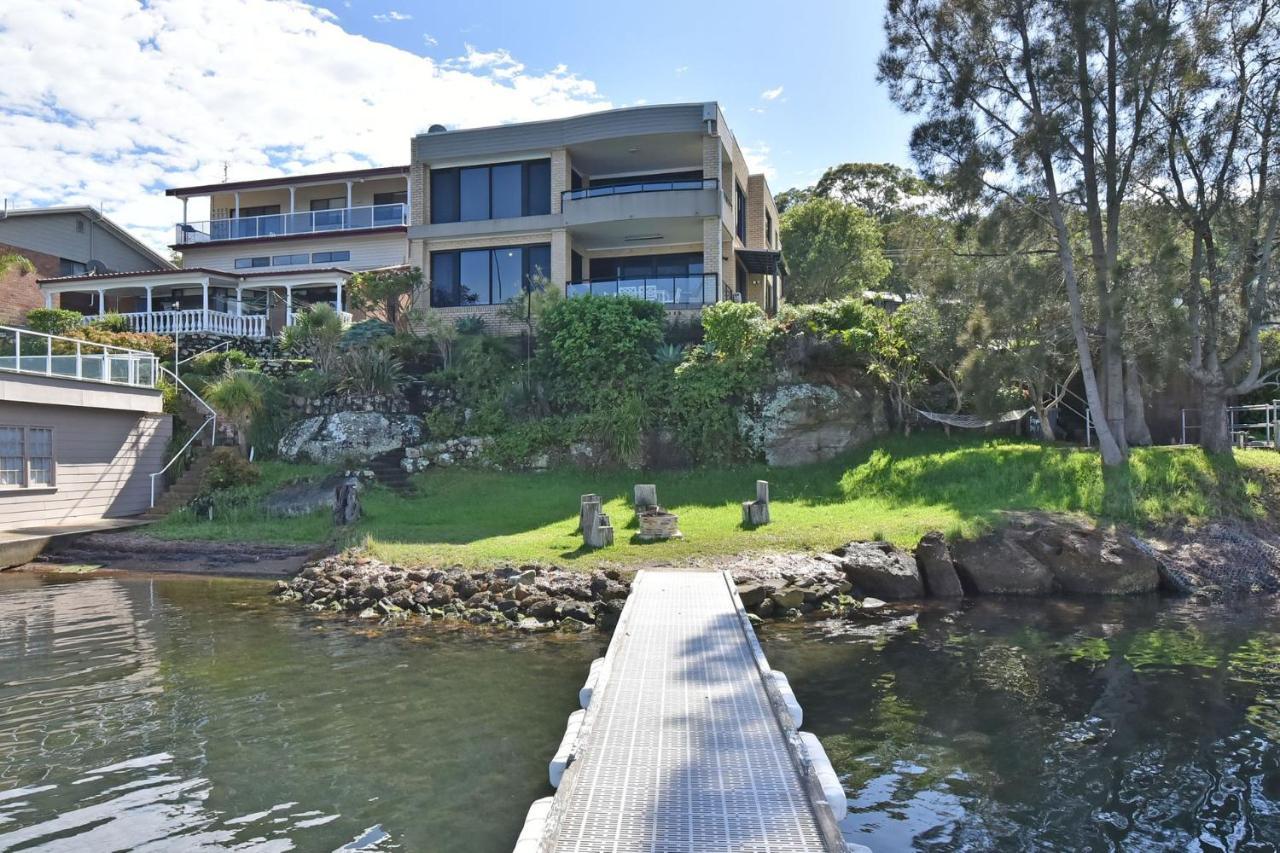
[[192, 320], [211, 419], [205, 350], [107, 357]]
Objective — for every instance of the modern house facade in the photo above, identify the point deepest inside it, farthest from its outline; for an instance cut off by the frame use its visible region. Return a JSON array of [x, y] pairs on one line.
[[82, 430], [61, 241], [654, 202]]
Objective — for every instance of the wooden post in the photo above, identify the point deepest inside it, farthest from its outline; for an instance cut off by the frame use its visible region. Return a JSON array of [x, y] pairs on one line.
[[596, 530], [582, 510], [646, 495], [346, 503]]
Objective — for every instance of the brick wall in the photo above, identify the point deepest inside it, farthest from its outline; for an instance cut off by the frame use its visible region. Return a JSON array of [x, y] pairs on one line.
[[19, 292]]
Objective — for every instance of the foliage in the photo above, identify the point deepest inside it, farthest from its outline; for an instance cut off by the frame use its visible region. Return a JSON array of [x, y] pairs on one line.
[[592, 347], [669, 355], [851, 323], [736, 330], [371, 370], [54, 321], [383, 292], [316, 334], [221, 361], [883, 190], [470, 325], [158, 345], [13, 260], [239, 396], [443, 332], [366, 332], [309, 383], [833, 249], [228, 469], [110, 322]]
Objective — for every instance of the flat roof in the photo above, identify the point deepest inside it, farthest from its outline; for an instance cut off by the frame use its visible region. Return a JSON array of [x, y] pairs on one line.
[[284, 181]]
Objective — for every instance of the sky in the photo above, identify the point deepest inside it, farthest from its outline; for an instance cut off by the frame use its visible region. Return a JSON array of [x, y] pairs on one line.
[[108, 102]]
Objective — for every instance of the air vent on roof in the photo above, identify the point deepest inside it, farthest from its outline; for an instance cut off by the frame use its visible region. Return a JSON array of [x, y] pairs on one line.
[[437, 128]]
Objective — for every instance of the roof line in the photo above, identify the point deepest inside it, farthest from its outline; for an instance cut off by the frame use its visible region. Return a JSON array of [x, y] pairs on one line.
[[258, 183], [426, 134], [95, 215]]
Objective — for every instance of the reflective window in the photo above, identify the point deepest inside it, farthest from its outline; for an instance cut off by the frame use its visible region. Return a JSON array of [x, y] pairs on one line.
[[250, 263], [444, 195], [444, 279], [473, 188], [487, 276], [537, 196], [508, 274], [26, 456], [473, 275], [329, 257], [508, 190]]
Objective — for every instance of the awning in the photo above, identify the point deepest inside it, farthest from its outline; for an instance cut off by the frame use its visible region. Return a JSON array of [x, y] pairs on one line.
[[763, 261]]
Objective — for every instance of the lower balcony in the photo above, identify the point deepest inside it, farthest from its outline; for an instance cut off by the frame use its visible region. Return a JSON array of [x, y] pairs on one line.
[[674, 291], [194, 320]]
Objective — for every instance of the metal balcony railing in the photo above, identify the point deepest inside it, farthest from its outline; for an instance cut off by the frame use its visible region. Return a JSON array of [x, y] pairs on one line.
[[670, 290], [35, 353], [286, 224], [638, 187]]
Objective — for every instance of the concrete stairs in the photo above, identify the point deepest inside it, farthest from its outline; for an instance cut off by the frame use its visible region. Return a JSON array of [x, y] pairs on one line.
[[185, 489], [386, 468]]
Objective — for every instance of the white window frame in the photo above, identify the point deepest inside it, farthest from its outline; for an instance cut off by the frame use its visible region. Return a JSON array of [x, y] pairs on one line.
[[26, 484]]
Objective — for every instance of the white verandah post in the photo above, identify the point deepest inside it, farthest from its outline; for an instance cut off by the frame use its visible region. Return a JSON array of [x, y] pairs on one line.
[[288, 304], [102, 299], [337, 302], [148, 322]]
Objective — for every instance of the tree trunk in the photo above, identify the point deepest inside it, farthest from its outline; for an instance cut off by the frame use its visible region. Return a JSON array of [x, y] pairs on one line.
[[1046, 427], [1136, 430], [1215, 432]]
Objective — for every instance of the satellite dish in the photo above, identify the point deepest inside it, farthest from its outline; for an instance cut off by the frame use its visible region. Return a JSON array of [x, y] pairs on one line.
[[97, 267], [437, 128]]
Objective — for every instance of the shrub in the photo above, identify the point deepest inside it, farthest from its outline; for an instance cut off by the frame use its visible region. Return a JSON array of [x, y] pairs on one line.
[[309, 383], [669, 355], [157, 345], [228, 469], [110, 323], [470, 326], [366, 333], [316, 334], [220, 361], [736, 329], [371, 370], [54, 321], [850, 322], [239, 397], [593, 346]]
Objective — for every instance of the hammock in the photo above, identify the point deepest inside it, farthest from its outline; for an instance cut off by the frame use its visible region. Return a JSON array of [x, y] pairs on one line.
[[973, 421]]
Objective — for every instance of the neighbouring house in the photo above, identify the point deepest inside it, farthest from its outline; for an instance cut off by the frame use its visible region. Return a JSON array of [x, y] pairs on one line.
[[269, 249], [82, 429], [654, 202], [62, 241]]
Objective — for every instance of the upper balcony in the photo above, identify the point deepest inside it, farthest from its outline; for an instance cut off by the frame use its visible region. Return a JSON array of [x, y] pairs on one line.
[[641, 199], [292, 224]]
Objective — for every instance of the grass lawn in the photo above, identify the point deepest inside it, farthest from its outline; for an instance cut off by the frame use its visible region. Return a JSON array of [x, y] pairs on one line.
[[896, 489]]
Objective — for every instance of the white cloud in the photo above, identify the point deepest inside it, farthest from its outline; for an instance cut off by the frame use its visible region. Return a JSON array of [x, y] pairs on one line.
[[757, 157], [681, 70], [112, 101], [431, 41], [391, 16], [771, 94]]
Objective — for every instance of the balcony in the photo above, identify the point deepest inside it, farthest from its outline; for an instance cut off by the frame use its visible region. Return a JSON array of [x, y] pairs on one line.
[[37, 354], [193, 320], [638, 187], [292, 224], [664, 200], [674, 291]]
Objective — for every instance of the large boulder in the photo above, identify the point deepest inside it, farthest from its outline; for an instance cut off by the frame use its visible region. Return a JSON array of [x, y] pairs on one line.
[[995, 564], [933, 558], [1089, 560], [349, 437], [303, 498], [881, 570], [801, 422]]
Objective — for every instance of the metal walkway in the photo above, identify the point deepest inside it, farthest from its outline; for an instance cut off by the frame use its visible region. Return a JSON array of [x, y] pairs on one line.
[[687, 744]]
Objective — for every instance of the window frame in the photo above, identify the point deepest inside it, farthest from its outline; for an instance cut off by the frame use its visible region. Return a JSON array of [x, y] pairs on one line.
[[453, 289], [328, 257], [26, 484], [448, 182], [251, 263], [740, 227]]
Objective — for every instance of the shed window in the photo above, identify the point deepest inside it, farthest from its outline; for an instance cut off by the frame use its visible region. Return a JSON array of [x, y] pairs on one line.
[[26, 456]]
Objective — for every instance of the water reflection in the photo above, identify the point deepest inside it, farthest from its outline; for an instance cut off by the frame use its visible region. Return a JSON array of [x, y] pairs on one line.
[[192, 714], [1069, 725]]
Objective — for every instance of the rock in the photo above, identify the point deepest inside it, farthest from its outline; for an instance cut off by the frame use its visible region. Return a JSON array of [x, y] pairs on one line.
[[766, 608], [336, 438], [880, 569], [579, 611], [573, 626], [933, 558], [993, 564], [787, 598], [297, 499], [798, 423], [752, 594], [346, 502], [1089, 560]]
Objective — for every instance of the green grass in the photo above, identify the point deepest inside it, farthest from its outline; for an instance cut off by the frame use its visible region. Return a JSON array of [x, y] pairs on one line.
[[896, 489]]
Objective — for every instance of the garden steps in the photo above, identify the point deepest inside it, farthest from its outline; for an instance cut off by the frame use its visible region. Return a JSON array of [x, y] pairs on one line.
[[185, 489], [387, 470]]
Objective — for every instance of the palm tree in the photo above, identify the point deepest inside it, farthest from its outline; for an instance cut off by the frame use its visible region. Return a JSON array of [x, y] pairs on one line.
[[12, 260], [239, 398]]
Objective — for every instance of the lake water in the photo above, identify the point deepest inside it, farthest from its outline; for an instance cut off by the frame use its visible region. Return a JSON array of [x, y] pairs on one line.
[[193, 714]]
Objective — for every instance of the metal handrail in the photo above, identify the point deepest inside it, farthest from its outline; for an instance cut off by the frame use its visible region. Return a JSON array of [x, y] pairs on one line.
[[354, 218], [639, 186], [106, 352], [205, 350], [651, 287], [211, 419]]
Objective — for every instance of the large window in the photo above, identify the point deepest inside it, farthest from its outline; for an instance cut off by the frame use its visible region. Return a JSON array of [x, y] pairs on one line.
[[486, 276], [500, 191], [647, 266], [250, 263], [768, 230], [26, 457]]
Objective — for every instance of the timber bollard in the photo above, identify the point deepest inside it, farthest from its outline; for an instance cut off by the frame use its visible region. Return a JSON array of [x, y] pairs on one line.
[[646, 495], [756, 512], [597, 532], [346, 502]]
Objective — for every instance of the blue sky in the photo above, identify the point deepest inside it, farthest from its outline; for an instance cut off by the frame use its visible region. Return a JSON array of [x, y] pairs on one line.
[[108, 102], [822, 53]]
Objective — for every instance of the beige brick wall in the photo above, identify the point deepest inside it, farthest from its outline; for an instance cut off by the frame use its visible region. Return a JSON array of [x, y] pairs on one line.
[[559, 177], [420, 190], [759, 202]]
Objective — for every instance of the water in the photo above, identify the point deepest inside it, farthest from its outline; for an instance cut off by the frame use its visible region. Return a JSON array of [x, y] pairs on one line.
[[192, 714], [189, 714], [1050, 725]]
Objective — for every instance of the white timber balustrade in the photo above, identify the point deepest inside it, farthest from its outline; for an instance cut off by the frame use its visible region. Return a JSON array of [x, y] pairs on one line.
[[195, 320]]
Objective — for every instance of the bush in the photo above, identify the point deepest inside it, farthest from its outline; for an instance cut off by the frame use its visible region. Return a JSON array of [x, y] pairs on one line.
[[157, 345], [309, 383], [110, 323], [54, 321], [371, 370], [316, 334], [594, 346], [366, 333], [470, 326], [228, 469], [850, 322], [736, 329], [221, 361]]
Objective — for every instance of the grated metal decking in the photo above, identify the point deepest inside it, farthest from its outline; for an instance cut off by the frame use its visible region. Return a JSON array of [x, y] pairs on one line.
[[683, 750]]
